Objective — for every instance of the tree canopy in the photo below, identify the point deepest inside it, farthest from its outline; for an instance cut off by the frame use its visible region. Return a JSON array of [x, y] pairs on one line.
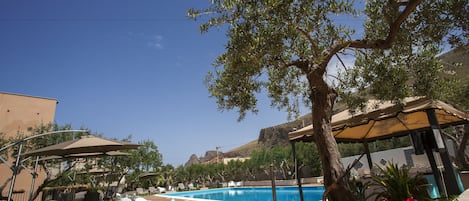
[[274, 44], [286, 47]]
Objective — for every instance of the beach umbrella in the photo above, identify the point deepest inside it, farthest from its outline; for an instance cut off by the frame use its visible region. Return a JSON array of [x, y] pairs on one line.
[[96, 171], [147, 175], [84, 145], [84, 155], [97, 154]]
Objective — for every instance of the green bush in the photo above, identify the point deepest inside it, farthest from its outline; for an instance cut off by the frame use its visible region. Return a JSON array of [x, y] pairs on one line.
[[398, 185]]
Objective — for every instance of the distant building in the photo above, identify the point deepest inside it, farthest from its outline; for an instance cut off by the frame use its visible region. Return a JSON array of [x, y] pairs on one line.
[[18, 114]]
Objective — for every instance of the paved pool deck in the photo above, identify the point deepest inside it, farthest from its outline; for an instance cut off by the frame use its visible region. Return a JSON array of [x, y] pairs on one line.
[[166, 198], [464, 196], [160, 198]]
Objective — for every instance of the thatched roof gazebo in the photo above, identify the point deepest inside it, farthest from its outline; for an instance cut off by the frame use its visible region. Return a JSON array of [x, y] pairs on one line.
[[419, 117]]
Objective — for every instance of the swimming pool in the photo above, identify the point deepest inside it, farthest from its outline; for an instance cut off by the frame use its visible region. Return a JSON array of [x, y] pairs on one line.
[[254, 194]]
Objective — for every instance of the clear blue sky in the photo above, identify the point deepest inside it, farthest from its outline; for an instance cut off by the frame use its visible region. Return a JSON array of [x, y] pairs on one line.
[[121, 67]]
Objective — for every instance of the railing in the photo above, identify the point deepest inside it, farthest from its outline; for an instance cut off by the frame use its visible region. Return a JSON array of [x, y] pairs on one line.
[[291, 182], [65, 193], [17, 196]]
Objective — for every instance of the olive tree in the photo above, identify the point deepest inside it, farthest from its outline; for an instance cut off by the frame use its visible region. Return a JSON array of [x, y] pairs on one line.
[[286, 47]]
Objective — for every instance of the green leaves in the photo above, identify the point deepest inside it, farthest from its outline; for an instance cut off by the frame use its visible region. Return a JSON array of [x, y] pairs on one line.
[[410, 67], [269, 36], [270, 44], [400, 72], [149, 158], [399, 185], [255, 168]]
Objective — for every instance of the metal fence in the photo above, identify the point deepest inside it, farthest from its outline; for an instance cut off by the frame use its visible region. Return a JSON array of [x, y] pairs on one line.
[[17, 196]]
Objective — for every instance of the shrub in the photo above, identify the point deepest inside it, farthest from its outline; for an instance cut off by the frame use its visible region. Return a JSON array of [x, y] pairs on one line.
[[398, 185]]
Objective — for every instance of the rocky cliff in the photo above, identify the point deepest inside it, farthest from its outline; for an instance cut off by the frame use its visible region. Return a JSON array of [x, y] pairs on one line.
[[268, 137]]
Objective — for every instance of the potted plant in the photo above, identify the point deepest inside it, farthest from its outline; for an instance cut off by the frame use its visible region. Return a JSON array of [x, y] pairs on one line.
[[396, 184], [359, 188], [68, 194], [92, 194]]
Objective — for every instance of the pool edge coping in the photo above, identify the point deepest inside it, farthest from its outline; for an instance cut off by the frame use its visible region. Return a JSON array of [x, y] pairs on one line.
[[182, 198], [199, 199]]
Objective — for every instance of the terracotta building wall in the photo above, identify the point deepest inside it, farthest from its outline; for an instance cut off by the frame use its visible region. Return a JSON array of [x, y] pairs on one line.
[[18, 113]]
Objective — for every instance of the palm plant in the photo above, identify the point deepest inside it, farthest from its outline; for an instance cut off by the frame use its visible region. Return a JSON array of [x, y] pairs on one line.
[[359, 189], [398, 185]]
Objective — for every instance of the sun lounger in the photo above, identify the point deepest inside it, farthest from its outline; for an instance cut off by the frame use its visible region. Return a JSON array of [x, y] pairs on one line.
[[152, 189], [181, 187], [141, 191], [191, 186], [161, 189]]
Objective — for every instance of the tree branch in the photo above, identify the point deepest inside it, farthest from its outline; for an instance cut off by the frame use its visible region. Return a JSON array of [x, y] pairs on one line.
[[306, 34], [394, 29], [335, 77], [461, 151], [341, 61], [301, 64], [48, 179], [454, 139], [401, 3]]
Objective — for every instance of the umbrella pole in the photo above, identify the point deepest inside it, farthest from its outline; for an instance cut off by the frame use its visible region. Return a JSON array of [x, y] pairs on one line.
[[15, 172], [368, 155], [297, 172], [34, 175], [272, 172]]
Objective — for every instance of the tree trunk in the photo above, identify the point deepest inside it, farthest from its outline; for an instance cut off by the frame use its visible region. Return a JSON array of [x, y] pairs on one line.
[[461, 152], [323, 98]]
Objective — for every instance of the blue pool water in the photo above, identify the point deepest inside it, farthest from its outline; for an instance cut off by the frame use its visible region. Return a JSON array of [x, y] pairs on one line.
[[254, 194]]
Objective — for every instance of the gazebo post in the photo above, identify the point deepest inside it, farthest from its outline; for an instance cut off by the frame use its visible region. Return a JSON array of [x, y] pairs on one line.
[[297, 172], [368, 155], [449, 174], [431, 160]]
